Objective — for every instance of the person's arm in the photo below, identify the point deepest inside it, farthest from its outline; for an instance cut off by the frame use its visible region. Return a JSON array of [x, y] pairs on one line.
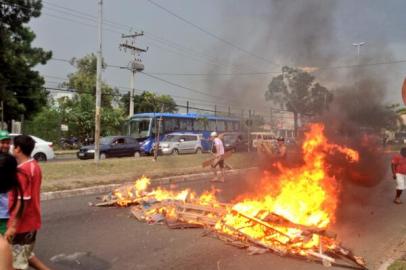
[[6, 258], [14, 221], [25, 184], [393, 166]]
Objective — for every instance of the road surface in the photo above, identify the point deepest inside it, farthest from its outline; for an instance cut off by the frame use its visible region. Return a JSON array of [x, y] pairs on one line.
[[81, 237]]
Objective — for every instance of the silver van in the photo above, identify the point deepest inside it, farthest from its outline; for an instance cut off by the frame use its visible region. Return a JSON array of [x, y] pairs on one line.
[[181, 143]]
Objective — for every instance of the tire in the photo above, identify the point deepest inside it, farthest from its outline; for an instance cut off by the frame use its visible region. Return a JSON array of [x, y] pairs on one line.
[[137, 154], [41, 157], [175, 152], [199, 150], [103, 156]]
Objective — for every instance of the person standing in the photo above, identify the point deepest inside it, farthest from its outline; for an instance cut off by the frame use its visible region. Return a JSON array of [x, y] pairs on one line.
[[282, 150], [399, 173], [22, 231], [218, 151], [5, 141], [4, 213]]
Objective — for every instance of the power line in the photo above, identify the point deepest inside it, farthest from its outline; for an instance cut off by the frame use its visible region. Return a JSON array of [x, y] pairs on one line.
[[213, 35], [153, 38]]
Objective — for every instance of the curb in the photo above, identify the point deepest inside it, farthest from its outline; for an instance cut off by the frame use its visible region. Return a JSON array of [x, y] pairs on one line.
[[52, 195]]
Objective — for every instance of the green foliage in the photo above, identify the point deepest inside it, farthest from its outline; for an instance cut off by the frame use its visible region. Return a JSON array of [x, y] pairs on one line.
[[150, 102], [21, 88], [45, 124], [297, 91], [78, 113]]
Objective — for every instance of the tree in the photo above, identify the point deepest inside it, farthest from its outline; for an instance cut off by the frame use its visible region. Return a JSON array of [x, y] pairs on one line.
[[79, 112], [296, 90], [21, 88], [150, 102]]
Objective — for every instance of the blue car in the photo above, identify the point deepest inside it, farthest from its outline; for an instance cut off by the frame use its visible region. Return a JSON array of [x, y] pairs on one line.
[[112, 146]]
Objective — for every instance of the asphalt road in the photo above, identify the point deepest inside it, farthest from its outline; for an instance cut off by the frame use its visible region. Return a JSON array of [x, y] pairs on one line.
[[108, 238]]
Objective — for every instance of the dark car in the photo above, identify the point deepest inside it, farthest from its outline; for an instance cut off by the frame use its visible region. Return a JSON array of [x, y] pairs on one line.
[[235, 141], [112, 146]]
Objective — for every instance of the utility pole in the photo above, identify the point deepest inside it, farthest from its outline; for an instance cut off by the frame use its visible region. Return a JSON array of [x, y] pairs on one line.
[[98, 86], [358, 45], [135, 65], [156, 150]]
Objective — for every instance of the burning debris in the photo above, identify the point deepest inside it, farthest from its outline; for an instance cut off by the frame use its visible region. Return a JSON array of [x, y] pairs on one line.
[[289, 217]]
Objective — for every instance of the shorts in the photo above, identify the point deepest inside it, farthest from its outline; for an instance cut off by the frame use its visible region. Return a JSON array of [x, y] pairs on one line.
[[3, 225], [400, 181], [218, 162], [23, 246]]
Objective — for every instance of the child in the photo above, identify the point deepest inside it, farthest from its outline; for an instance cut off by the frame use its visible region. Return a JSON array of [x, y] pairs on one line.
[[8, 183], [22, 231]]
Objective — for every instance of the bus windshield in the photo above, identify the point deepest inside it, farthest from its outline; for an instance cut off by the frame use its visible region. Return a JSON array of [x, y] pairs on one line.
[[139, 127]]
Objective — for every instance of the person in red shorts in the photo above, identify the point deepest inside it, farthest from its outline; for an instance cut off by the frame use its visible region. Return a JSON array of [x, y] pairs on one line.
[[22, 231], [399, 173]]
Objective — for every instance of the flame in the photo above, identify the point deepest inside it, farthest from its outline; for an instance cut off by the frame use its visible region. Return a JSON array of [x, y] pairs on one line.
[[287, 215], [306, 197]]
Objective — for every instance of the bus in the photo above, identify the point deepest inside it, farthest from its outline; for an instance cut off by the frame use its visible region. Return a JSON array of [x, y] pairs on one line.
[[144, 127]]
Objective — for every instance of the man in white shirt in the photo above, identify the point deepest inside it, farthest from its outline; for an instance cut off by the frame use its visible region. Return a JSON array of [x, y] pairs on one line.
[[218, 151]]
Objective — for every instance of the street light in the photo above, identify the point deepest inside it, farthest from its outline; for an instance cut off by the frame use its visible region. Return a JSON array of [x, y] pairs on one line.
[[358, 45]]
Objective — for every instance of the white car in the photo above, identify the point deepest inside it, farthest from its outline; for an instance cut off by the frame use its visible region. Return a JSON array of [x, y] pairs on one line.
[[43, 150]]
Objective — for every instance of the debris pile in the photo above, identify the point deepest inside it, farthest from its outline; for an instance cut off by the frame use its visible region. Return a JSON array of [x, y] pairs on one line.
[[289, 216]]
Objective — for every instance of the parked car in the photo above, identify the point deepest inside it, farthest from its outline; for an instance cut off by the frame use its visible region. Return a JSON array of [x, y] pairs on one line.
[[181, 143], [112, 146], [234, 141], [259, 137], [43, 150]]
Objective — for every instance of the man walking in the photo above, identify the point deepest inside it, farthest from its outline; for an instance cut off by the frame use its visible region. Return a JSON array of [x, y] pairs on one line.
[[218, 151], [399, 173], [22, 231]]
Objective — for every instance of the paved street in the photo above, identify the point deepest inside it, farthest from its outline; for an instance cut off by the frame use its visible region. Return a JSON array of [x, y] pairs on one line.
[[107, 238]]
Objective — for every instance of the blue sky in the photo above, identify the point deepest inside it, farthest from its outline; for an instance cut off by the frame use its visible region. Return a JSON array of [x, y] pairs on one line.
[[283, 32]]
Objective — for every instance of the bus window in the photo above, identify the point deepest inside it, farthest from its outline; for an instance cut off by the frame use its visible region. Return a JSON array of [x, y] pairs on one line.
[[171, 124], [200, 125], [155, 122], [186, 124], [212, 125], [221, 126], [139, 128]]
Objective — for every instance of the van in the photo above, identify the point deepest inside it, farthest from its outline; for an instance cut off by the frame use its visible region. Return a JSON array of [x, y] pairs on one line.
[[260, 137]]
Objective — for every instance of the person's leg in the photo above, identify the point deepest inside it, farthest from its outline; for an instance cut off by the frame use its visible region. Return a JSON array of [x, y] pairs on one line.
[[221, 164], [37, 263], [397, 197], [400, 186]]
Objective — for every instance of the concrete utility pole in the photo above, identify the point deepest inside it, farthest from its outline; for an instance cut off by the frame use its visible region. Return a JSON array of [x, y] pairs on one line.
[[135, 64], [98, 85]]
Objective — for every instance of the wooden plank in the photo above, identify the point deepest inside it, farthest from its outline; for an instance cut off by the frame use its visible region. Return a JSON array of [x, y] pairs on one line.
[[259, 221], [210, 161]]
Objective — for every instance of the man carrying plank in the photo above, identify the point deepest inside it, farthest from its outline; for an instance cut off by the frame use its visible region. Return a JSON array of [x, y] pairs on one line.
[[218, 150]]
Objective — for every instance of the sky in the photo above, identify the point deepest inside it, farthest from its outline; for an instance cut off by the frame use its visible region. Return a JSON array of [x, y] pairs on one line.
[[234, 48]]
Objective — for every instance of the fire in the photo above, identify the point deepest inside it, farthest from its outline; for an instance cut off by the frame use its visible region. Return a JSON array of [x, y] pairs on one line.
[[290, 214], [306, 198]]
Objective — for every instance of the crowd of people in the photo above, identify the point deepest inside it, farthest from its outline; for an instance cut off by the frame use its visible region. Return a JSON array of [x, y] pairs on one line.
[[20, 213]]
